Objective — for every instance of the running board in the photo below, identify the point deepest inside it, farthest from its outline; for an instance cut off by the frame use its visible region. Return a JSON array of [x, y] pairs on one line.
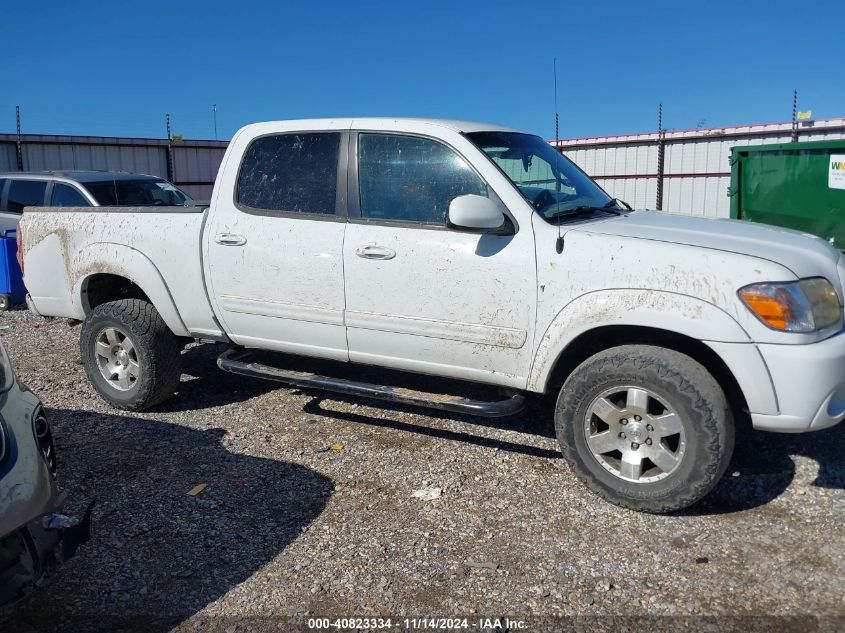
[[236, 361]]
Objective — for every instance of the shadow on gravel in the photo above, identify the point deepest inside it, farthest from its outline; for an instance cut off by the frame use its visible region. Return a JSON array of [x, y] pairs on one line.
[[205, 385], [765, 468], [158, 555], [763, 460], [513, 423]]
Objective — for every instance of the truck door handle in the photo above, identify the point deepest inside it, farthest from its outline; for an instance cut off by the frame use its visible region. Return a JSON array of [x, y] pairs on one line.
[[375, 252], [230, 239]]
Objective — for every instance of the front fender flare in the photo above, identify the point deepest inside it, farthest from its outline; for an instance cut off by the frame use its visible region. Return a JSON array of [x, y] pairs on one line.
[[127, 262], [669, 311]]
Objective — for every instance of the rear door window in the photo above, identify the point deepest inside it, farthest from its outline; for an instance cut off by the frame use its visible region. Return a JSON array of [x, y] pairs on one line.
[[290, 173], [67, 196], [25, 193]]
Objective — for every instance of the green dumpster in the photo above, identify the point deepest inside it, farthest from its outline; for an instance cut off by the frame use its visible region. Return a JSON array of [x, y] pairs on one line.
[[795, 185]]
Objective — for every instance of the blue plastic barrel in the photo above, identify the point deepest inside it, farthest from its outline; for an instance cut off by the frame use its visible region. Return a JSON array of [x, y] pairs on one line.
[[12, 291]]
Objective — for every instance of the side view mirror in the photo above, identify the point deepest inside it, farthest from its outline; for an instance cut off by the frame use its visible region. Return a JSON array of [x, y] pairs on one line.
[[478, 214]]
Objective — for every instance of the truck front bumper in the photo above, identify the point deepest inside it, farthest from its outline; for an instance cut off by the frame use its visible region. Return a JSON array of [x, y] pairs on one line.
[[809, 383]]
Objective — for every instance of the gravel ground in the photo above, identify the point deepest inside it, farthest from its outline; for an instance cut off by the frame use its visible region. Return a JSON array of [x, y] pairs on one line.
[[309, 511]]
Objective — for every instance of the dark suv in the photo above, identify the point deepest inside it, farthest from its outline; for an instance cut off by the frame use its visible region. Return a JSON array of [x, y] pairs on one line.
[[81, 189]]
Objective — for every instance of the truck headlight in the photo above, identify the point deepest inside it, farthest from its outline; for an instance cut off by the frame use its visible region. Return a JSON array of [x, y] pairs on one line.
[[7, 376], [807, 305]]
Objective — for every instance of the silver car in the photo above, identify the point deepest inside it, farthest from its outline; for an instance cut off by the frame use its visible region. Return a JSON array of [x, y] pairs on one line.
[[33, 535], [78, 188]]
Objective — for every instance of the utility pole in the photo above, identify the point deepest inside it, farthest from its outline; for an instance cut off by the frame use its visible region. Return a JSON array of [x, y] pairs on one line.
[[214, 111], [18, 145], [661, 147], [795, 116], [170, 174]]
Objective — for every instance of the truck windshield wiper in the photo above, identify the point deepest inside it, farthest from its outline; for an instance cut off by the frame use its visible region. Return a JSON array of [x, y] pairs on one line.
[[619, 204], [584, 210]]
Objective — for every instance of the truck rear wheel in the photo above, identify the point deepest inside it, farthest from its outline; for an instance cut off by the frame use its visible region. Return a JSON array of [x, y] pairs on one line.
[[645, 427], [130, 355]]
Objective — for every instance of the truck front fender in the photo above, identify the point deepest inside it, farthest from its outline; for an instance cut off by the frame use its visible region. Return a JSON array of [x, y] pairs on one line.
[[129, 263], [668, 311]]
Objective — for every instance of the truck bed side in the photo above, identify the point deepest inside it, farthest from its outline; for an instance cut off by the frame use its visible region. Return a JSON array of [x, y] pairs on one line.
[[69, 253]]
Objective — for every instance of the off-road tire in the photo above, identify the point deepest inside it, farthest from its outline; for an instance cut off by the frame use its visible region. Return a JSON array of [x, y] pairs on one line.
[[158, 353], [694, 395]]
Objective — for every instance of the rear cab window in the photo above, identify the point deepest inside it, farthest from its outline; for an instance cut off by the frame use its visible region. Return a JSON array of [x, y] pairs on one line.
[[290, 174]]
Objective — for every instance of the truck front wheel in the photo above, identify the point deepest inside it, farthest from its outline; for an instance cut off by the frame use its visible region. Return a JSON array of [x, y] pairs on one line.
[[645, 427], [130, 355]]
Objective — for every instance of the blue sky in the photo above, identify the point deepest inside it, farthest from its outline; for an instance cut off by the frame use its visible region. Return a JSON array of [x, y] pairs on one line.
[[116, 68]]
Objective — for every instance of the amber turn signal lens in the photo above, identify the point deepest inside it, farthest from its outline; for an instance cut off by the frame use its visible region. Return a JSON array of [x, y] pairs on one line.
[[774, 311], [807, 305]]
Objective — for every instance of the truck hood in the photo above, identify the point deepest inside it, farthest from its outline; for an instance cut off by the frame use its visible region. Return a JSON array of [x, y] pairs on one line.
[[804, 254]]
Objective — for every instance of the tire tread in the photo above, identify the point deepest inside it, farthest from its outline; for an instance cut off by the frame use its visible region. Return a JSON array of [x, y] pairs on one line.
[[149, 331], [693, 382]]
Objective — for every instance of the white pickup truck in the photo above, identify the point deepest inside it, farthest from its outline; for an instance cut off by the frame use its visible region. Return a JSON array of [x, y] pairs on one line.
[[472, 252]]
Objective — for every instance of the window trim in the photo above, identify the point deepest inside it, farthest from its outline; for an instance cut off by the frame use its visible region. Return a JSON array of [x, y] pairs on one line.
[[340, 214], [354, 206], [48, 194]]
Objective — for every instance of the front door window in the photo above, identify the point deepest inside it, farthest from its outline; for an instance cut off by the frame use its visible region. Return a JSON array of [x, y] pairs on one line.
[[411, 179]]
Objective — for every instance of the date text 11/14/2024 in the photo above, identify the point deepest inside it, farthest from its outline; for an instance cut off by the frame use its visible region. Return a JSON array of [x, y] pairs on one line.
[[414, 624]]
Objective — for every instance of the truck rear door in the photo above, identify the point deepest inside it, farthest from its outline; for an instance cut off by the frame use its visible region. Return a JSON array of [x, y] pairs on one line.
[[274, 244]]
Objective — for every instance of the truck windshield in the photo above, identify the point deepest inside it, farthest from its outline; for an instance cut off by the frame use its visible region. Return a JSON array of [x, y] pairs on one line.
[[148, 192], [553, 185]]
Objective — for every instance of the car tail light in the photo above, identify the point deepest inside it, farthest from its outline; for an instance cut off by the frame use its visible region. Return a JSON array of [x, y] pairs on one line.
[[45, 439], [20, 247]]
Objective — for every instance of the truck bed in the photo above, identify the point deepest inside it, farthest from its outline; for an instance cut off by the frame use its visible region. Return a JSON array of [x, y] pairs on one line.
[[154, 247]]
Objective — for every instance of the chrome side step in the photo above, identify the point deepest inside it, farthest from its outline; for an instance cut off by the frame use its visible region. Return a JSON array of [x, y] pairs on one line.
[[237, 361]]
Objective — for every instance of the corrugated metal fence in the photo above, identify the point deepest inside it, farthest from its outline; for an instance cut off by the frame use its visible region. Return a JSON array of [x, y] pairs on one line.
[[696, 162], [697, 171], [193, 168]]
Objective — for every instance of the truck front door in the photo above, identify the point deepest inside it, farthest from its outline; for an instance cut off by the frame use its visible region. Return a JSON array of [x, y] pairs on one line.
[[421, 296]]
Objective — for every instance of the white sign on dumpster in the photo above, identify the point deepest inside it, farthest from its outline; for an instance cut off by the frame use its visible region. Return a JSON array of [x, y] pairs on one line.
[[836, 175]]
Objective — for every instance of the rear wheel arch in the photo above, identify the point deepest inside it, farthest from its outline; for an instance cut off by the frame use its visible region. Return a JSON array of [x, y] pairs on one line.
[[111, 272], [100, 288]]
